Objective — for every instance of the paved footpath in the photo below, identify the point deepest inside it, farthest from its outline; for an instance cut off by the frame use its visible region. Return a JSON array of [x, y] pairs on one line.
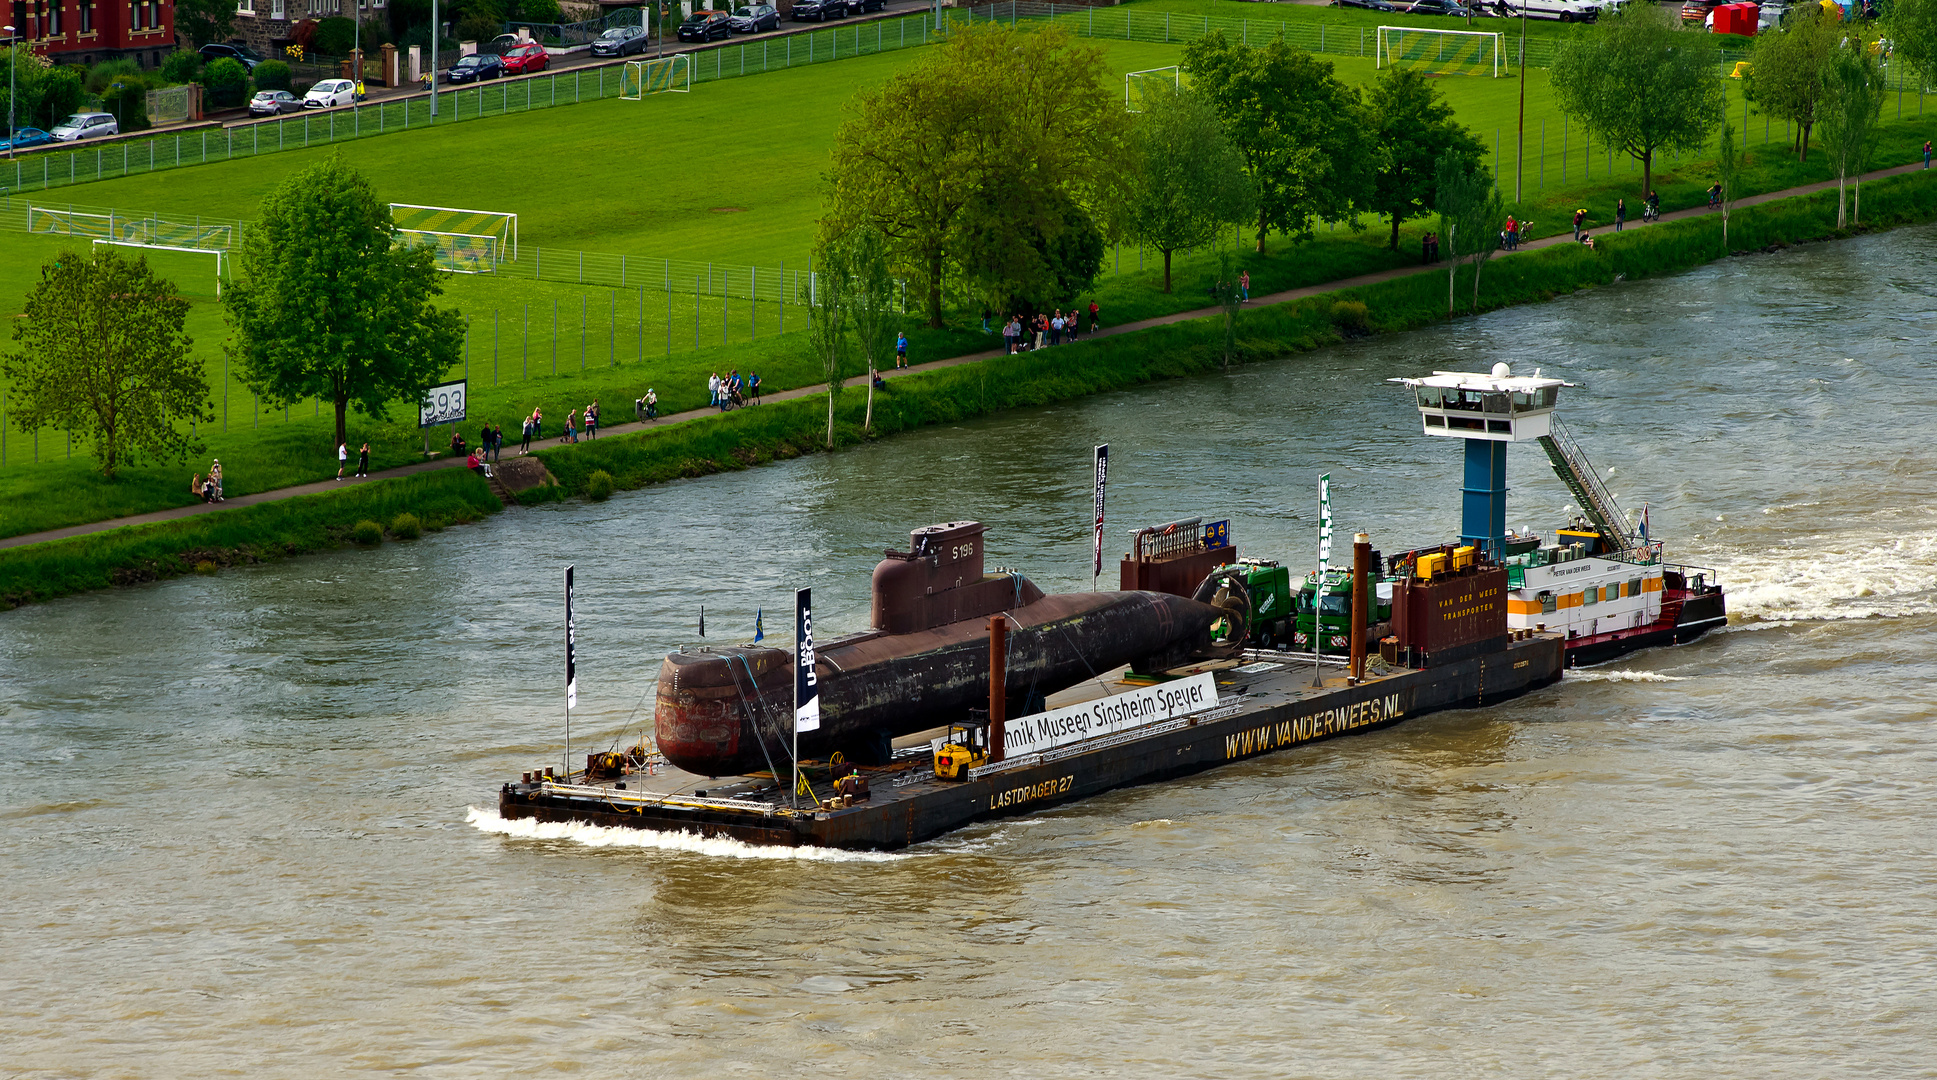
[[861, 380]]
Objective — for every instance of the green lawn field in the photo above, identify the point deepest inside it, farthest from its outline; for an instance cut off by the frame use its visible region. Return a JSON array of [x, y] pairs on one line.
[[731, 174]]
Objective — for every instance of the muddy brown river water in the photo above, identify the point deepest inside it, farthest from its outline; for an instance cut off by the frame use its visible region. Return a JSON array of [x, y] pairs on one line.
[[246, 824]]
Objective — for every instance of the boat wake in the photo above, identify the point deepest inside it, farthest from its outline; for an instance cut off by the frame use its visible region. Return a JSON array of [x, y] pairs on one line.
[[1849, 576], [1623, 676], [601, 836]]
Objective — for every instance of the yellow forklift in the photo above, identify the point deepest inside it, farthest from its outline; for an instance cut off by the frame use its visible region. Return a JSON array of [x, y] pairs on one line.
[[964, 747]]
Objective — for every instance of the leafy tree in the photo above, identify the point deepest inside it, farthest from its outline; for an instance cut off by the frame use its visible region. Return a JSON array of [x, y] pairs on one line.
[[997, 130], [1786, 80], [272, 75], [1413, 128], [1470, 210], [205, 21], [103, 356], [1853, 93], [328, 305], [60, 92], [1189, 180], [227, 81], [182, 66], [827, 293], [24, 84], [1911, 26], [127, 99], [871, 303], [335, 36], [1728, 171], [1229, 300], [1300, 130], [108, 72], [1024, 247], [1641, 84]]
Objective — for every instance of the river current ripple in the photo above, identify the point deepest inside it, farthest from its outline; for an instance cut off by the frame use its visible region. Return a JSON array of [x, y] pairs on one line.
[[247, 822]]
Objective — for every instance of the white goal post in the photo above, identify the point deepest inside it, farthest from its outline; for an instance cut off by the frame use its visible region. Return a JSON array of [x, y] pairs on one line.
[[1471, 50], [659, 75], [147, 231], [221, 256], [1133, 83], [459, 221]]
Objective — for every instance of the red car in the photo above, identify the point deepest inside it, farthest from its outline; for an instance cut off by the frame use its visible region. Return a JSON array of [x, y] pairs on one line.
[[526, 59]]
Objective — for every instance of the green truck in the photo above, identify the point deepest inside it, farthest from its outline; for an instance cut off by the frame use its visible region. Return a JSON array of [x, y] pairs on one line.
[[1282, 620]]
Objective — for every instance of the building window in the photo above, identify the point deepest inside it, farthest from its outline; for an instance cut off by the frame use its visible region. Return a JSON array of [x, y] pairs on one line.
[[134, 19], [277, 10], [245, 7], [87, 19]]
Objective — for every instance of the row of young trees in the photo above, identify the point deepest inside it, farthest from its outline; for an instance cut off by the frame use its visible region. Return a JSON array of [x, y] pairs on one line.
[[326, 305]]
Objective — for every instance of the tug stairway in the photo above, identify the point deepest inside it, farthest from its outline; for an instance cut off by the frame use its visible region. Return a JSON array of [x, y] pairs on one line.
[[1574, 470]]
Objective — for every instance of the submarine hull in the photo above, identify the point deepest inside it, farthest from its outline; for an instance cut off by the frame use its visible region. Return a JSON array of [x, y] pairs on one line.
[[729, 711]]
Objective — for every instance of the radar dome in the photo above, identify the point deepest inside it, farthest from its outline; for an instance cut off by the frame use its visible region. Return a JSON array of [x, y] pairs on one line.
[[1501, 370]]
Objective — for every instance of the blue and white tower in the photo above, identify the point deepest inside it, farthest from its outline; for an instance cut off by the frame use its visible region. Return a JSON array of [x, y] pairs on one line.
[[1488, 411]]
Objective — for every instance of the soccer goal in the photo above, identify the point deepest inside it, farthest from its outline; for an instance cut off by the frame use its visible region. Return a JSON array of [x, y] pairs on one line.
[[660, 75], [41, 219], [221, 256], [459, 253], [1465, 52], [1137, 84], [456, 221]]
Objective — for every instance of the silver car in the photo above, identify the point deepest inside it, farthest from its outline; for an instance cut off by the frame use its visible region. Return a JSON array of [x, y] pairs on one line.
[[85, 125], [620, 41], [753, 18]]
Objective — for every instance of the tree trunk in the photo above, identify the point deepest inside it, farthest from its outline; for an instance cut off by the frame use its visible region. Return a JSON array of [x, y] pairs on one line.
[[1647, 173], [1479, 263], [830, 414], [934, 292], [1842, 203], [1261, 230], [868, 424], [1725, 226], [1167, 270], [1856, 201], [1452, 266], [1396, 218], [1805, 142], [342, 429]]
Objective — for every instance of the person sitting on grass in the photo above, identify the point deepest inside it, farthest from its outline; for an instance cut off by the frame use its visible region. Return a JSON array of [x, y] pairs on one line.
[[472, 463], [1587, 240], [457, 443]]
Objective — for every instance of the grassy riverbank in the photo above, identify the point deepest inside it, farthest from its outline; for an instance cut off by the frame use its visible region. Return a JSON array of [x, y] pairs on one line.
[[790, 429]]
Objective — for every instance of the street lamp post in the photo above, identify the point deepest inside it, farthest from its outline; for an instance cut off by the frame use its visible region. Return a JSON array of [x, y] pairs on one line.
[[12, 81], [1520, 155], [433, 59]]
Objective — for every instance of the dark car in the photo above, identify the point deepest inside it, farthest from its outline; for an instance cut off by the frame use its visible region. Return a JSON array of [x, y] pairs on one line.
[[755, 18], [25, 137], [1440, 7], [1698, 11], [706, 26], [274, 103], [621, 41], [1369, 5], [820, 10], [475, 68], [236, 51]]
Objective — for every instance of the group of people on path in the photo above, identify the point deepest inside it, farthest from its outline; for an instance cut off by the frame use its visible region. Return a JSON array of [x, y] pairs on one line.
[[728, 391], [208, 488], [343, 460], [1023, 333]]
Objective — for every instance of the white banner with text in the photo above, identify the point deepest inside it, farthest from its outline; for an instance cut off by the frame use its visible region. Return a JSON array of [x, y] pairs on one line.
[[1107, 716]]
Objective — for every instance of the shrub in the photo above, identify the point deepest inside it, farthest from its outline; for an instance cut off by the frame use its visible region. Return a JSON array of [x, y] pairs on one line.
[[335, 36], [479, 28], [205, 567], [301, 86], [1351, 317], [376, 34], [405, 526], [108, 72], [182, 66], [227, 82], [599, 485], [61, 91], [272, 75], [128, 101], [539, 11], [367, 532]]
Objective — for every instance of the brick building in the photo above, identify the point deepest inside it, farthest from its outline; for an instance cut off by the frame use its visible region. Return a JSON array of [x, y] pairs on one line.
[[267, 25], [90, 31]]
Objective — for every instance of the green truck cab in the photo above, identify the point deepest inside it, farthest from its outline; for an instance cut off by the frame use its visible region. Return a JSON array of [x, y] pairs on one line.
[[1282, 620]]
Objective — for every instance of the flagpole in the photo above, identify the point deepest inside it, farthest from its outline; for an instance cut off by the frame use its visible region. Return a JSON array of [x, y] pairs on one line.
[[1318, 590], [571, 674]]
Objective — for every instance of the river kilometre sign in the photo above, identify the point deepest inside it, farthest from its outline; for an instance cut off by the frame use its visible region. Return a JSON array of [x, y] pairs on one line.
[[442, 404], [1107, 716]]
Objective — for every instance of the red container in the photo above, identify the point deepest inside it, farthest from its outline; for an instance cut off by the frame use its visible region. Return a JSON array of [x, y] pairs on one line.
[[1740, 19]]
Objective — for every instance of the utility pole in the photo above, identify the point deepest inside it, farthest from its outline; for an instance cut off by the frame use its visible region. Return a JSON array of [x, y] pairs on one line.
[[434, 28], [12, 81], [1520, 155]]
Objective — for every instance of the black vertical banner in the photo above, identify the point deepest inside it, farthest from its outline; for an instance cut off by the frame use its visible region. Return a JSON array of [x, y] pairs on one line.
[[1102, 479], [807, 691], [571, 647]]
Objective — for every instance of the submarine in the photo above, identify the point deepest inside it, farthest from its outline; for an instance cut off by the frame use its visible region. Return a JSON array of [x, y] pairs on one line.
[[924, 661]]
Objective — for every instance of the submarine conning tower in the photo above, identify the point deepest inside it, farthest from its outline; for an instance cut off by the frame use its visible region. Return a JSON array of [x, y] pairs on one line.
[[940, 580], [1488, 411]]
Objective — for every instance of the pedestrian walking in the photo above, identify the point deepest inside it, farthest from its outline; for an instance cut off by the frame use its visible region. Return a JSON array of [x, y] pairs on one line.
[[592, 419], [1926, 153], [497, 442], [1244, 283], [1056, 329], [1042, 328], [363, 461], [524, 444], [901, 349], [1093, 313], [342, 458], [1580, 216], [1620, 213], [713, 389]]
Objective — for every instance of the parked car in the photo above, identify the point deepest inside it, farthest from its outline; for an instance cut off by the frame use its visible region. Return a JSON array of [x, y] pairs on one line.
[[621, 41], [706, 26], [526, 59], [330, 93], [503, 43], [475, 68], [819, 10], [854, 8], [234, 50], [1440, 7], [1698, 11], [274, 103], [753, 19], [26, 137], [1561, 10], [1369, 5], [85, 125]]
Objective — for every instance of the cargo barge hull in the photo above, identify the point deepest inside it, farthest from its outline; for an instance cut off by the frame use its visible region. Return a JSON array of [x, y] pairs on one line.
[[1265, 705]]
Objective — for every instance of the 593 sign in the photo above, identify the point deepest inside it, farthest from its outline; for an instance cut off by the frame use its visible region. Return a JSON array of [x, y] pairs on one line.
[[442, 404]]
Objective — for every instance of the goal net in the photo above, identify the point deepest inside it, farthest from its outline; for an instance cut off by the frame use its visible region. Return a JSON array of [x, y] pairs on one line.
[[221, 256], [140, 231], [660, 75], [1440, 52], [457, 221], [1138, 84], [460, 253]]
